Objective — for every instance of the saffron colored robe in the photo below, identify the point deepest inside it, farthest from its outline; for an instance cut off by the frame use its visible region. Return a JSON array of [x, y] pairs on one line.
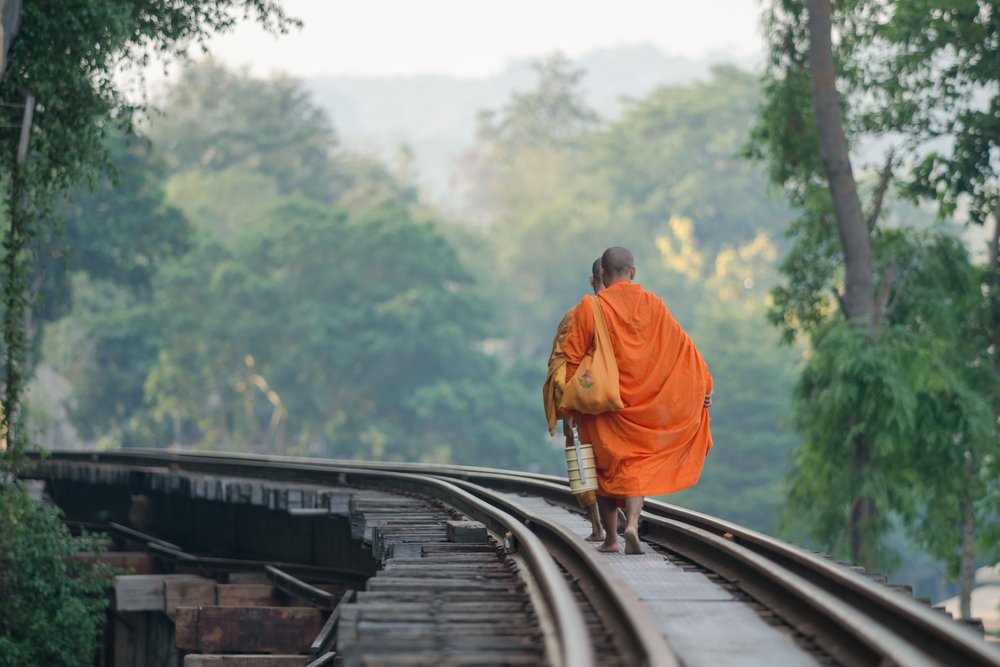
[[552, 391], [657, 444], [555, 379]]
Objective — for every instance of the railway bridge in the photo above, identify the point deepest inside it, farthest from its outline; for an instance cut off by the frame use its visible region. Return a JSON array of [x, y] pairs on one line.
[[253, 561]]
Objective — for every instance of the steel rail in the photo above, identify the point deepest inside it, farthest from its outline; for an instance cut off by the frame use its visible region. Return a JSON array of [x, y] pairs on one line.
[[932, 632], [317, 597], [636, 633], [556, 601], [935, 634], [833, 624]]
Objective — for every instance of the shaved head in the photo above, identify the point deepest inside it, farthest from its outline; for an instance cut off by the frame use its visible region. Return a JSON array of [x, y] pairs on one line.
[[595, 276], [617, 263]]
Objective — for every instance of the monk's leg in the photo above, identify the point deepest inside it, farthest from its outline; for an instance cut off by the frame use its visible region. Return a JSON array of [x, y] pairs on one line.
[[633, 507], [596, 533], [588, 501], [609, 517]]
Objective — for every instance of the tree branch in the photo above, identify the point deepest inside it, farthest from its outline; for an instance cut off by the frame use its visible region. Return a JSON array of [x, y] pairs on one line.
[[883, 185], [885, 286], [993, 249], [840, 299]]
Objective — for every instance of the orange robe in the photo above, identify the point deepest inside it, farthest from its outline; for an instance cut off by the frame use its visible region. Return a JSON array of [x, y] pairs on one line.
[[658, 442], [555, 380]]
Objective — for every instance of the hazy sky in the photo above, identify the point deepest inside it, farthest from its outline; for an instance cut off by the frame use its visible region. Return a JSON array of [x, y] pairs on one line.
[[473, 38]]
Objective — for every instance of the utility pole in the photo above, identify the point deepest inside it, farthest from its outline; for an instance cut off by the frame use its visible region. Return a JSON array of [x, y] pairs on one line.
[[29, 112], [10, 21]]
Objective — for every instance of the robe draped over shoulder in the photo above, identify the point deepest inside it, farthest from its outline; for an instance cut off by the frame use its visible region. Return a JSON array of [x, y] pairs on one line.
[[657, 444], [555, 379]]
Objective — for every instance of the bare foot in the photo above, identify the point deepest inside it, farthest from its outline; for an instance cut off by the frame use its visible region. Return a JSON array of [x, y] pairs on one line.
[[609, 548], [632, 544], [595, 537]]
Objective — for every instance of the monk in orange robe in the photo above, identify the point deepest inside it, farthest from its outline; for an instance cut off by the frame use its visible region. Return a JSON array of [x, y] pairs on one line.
[[657, 443], [552, 391]]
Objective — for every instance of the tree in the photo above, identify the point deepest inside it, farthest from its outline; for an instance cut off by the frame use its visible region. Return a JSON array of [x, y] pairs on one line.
[[677, 152], [215, 119], [857, 367], [334, 333], [552, 114], [81, 100], [792, 132], [10, 10], [933, 91], [295, 326]]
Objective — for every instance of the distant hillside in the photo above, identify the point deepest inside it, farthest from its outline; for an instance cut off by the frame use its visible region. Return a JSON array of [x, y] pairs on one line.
[[435, 115]]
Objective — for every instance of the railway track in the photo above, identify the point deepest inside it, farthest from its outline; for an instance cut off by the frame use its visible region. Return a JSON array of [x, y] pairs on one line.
[[777, 603]]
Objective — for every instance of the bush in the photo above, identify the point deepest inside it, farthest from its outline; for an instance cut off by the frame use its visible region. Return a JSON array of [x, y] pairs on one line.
[[51, 606]]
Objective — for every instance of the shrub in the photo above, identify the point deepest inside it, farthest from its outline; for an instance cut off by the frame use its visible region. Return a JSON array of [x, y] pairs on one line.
[[51, 606]]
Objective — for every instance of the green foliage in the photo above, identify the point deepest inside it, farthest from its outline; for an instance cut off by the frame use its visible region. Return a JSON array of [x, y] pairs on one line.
[[111, 346], [900, 414], [919, 389], [552, 204], [78, 85], [854, 385], [291, 325], [51, 606], [215, 120], [935, 82], [80, 102], [552, 114], [119, 231], [676, 152]]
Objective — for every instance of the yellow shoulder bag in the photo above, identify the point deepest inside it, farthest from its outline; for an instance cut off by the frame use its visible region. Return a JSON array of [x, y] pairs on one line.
[[594, 387]]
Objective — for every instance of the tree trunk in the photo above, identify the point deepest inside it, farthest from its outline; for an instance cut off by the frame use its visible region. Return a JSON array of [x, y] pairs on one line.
[[854, 239], [862, 541], [993, 281], [966, 563], [858, 301], [10, 21]]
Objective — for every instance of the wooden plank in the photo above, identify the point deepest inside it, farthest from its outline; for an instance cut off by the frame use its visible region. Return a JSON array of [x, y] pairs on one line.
[[408, 550], [252, 629], [142, 592], [186, 628], [466, 532], [247, 595], [248, 578], [190, 592], [195, 660], [129, 639]]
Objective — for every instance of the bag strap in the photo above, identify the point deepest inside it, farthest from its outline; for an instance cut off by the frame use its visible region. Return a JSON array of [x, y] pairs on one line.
[[601, 335]]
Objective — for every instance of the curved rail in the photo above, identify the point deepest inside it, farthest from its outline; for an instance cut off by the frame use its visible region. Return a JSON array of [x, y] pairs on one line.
[[640, 640], [898, 614]]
